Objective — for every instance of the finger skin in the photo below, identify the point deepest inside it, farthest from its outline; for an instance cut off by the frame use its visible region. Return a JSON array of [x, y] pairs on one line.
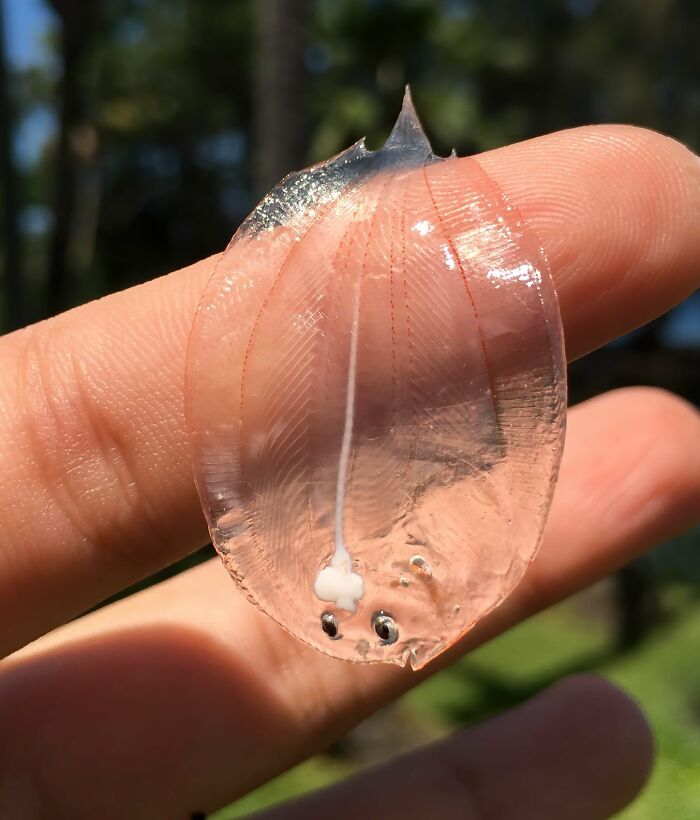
[[96, 488], [597, 200], [196, 697], [579, 751]]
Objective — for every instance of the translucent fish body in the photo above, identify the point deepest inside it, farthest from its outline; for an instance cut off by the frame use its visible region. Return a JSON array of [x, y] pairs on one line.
[[376, 400]]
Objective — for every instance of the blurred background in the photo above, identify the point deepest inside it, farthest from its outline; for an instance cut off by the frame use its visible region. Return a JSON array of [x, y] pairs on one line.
[[135, 135]]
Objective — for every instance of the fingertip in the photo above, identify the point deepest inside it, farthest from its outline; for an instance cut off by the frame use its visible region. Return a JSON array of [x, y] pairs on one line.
[[616, 729], [616, 209], [580, 749], [667, 433], [631, 472]]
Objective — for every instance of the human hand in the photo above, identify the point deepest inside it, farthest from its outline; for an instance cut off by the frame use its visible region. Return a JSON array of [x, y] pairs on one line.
[[183, 697]]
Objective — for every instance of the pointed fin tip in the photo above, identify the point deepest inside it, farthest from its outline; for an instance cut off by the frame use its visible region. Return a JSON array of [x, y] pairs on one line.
[[408, 132], [355, 151]]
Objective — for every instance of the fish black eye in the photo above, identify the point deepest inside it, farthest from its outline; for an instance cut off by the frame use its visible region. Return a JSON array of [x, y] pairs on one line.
[[329, 624], [385, 627]]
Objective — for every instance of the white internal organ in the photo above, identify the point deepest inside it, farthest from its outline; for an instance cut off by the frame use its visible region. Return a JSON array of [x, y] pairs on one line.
[[337, 583]]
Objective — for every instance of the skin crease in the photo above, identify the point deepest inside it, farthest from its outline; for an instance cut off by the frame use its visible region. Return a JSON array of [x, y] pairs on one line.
[[97, 492]]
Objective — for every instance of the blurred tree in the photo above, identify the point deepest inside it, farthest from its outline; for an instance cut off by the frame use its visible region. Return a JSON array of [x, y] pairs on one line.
[[12, 279], [637, 608], [280, 119], [75, 149], [172, 83]]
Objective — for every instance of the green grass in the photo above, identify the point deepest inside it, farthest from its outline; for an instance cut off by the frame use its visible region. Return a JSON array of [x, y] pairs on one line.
[[662, 674], [664, 677]]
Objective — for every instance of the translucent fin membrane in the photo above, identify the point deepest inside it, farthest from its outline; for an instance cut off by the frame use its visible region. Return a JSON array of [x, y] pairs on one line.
[[407, 133], [376, 400]]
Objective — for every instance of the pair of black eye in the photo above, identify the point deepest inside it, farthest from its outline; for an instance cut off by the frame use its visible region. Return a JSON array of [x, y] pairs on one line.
[[382, 623]]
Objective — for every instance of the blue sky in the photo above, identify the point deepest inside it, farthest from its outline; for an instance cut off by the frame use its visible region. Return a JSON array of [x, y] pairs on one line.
[[27, 22], [27, 25]]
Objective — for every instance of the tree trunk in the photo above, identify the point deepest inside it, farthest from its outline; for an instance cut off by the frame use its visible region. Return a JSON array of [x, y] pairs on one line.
[[76, 18], [14, 304], [637, 604], [278, 102]]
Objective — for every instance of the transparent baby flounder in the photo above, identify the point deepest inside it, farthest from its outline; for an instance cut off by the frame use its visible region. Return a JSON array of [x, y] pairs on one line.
[[375, 397]]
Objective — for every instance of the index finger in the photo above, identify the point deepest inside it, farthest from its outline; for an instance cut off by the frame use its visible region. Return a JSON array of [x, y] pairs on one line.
[[95, 483]]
